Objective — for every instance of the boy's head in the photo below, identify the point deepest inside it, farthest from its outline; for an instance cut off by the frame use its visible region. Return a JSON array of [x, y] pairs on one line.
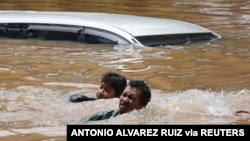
[[112, 85], [135, 96]]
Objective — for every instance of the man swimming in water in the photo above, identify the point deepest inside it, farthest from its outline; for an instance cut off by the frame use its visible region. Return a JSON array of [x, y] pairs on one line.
[[136, 95]]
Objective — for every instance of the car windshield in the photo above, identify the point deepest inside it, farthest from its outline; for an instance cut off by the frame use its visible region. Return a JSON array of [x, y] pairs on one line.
[[174, 39]]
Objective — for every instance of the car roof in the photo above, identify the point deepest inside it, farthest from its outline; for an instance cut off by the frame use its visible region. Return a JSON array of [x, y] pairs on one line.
[[132, 24]]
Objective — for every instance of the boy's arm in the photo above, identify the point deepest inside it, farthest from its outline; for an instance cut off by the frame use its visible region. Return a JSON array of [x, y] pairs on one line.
[[79, 98]]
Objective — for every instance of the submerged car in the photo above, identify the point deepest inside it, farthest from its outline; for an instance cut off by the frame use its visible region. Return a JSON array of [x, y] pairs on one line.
[[100, 28]]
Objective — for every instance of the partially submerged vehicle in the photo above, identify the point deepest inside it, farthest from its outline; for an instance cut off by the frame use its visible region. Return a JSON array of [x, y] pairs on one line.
[[100, 28]]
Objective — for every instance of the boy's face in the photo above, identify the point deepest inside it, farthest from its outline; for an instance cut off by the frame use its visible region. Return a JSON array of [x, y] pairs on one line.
[[130, 100], [105, 91]]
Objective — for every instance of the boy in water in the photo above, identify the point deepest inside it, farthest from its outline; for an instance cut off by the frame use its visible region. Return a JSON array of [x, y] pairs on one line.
[[112, 85], [136, 95]]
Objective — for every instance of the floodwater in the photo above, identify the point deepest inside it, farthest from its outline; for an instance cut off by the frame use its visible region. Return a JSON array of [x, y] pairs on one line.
[[198, 83]]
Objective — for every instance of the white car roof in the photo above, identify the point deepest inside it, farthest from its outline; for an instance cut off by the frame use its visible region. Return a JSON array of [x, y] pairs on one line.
[[137, 30], [134, 25]]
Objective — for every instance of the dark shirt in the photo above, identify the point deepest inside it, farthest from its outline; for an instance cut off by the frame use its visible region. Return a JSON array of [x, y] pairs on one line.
[[79, 98], [103, 115]]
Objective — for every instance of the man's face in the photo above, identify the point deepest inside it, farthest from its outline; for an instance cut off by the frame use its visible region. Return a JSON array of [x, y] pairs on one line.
[[130, 100], [105, 91]]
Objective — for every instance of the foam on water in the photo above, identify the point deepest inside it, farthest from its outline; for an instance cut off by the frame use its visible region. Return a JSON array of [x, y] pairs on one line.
[[29, 107]]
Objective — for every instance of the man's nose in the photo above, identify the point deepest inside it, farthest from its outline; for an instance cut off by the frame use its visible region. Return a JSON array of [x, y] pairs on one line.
[[126, 99]]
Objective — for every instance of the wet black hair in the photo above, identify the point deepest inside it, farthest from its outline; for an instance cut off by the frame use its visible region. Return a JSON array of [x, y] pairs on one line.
[[116, 81], [144, 88]]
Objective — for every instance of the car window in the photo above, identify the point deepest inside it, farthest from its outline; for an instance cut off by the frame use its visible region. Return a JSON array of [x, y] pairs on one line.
[[60, 33], [103, 36], [12, 30], [53, 32], [72, 33]]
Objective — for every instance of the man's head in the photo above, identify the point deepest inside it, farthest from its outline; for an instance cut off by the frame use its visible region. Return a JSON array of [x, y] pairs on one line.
[[112, 85], [136, 95]]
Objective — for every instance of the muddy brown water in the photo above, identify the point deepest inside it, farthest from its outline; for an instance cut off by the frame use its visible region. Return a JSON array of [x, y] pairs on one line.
[[198, 83]]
